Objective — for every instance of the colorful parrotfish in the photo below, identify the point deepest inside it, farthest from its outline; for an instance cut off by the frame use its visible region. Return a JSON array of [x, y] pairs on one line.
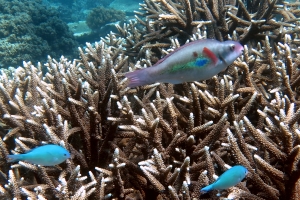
[[194, 61], [229, 178], [47, 155]]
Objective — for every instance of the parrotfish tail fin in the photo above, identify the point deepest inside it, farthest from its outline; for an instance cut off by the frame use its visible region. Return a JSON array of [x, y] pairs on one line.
[[210, 54], [14, 158], [207, 188], [137, 78]]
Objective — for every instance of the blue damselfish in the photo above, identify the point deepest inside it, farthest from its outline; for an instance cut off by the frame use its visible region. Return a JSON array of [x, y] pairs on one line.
[[194, 61], [47, 155], [230, 178]]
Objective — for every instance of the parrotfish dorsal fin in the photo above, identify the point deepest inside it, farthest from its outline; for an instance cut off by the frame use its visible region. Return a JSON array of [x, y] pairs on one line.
[[210, 54]]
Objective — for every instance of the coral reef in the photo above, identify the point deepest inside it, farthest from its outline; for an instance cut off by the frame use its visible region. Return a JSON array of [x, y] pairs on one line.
[[159, 141], [30, 31], [100, 16], [73, 11], [253, 20], [126, 7]]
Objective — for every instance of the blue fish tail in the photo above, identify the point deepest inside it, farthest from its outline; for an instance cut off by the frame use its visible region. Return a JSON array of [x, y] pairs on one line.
[[207, 188], [137, 78], [14, 158]]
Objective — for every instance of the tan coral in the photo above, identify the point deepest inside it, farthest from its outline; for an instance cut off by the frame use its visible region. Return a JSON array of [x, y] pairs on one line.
[[159, 141]]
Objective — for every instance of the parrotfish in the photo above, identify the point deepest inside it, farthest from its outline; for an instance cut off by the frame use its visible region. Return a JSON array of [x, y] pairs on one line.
[[47, 155], [194, 61], [229, 178]]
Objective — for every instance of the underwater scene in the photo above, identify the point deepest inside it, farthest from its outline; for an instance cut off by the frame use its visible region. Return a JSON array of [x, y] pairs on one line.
[[149, 99]]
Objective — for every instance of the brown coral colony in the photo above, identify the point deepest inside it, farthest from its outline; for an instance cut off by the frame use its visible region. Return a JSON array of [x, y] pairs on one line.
[[162, 141]]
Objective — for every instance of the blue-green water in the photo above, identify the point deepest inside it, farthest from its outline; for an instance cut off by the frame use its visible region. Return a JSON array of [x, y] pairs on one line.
[[32, 29]]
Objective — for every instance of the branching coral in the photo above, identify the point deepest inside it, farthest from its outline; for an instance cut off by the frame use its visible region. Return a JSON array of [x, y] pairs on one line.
[[159, 141], [163, 19]]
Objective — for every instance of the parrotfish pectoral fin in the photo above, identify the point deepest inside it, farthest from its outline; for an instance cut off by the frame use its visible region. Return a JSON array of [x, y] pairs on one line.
[[210, 54], [137, 78], [207, 188]]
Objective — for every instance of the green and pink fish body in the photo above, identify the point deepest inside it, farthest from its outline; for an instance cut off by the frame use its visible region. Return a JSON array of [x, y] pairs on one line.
[[194, 61]]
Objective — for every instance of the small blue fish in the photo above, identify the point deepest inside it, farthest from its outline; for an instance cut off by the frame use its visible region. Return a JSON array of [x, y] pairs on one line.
[[47, 155], [230, 178], [194, 61]]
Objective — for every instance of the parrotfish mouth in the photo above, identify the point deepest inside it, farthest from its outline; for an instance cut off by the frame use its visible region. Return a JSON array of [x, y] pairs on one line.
[[242, 49]]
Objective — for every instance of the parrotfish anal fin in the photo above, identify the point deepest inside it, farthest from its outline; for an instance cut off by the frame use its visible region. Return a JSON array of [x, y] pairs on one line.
[[210, 54]]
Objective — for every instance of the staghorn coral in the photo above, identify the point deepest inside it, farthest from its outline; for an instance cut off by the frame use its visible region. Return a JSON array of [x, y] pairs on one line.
[[159, 141], [161, 20]]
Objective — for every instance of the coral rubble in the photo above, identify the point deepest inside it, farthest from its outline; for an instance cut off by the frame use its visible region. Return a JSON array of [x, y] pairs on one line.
[[159, 141]]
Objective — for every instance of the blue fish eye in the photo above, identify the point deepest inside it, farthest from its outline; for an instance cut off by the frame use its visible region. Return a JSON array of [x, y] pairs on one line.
[[232, 47]]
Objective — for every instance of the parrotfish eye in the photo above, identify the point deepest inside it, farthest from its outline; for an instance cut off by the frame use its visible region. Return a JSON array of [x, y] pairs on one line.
[[231, 47], [65, 154]]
